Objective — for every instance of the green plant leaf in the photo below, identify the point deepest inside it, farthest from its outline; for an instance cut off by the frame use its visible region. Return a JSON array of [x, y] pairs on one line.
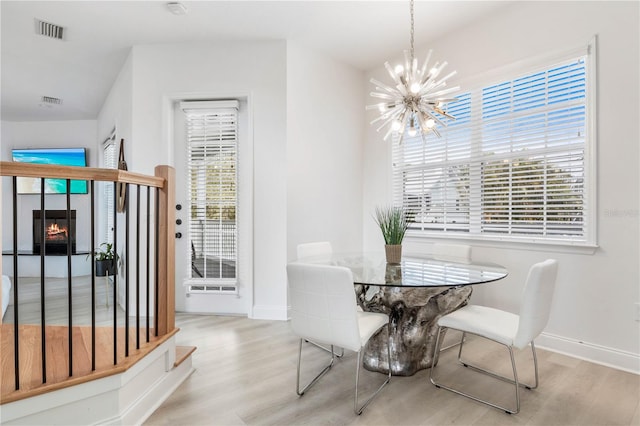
[[393, 223]]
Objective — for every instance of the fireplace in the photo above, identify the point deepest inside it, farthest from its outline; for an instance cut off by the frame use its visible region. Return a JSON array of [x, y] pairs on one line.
[[57, 231]]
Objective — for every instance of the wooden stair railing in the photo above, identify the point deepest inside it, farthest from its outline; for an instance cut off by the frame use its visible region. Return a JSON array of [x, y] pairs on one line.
[[159, 261]]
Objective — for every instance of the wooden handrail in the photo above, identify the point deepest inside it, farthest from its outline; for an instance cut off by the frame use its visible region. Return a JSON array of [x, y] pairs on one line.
[[166, 250], [12, 168]]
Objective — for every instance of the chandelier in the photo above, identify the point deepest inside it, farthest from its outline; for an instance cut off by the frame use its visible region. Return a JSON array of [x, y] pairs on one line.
[[417, 100]]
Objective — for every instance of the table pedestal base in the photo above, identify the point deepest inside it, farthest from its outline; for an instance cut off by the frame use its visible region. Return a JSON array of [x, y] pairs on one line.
[[413, 313]]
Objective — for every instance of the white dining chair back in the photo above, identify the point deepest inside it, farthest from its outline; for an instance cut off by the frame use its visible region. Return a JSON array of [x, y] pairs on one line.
[[323, 309], [536, 301], [318, 251], [323, 304], [506, 328], [451, 252], [321, 249]]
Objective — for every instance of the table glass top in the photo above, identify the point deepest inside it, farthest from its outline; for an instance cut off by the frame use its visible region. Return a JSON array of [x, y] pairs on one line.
[[372, 269]]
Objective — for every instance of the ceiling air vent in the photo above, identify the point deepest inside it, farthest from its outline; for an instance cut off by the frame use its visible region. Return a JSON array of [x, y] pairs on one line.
[[49, 30], [51, 100]]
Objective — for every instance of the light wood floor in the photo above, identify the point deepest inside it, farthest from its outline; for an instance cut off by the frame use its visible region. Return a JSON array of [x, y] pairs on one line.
[[56, 306], [246, 372]]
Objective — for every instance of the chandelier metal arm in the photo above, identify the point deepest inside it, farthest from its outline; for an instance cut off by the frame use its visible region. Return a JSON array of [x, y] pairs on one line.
[[417, 96]]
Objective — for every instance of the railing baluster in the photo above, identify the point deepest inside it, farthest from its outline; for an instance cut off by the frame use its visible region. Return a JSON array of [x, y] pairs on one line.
[[126, 270], [69, 279], [147, 254], [155, 258], [43, 322], [115, 275], [16, 329], [93, 278], [138, 267]]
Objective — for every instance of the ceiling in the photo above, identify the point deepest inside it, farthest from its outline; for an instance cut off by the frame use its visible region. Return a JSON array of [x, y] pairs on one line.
[[81, 68]]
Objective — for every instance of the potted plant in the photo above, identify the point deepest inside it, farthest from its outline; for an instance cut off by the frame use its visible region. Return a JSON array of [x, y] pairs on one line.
[[105, 260], [393, 223]]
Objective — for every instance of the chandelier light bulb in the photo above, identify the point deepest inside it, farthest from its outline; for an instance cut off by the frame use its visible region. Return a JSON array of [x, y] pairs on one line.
[[416, 96]]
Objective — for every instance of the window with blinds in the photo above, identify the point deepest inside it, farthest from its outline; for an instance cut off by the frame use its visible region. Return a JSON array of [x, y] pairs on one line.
[[511, 166], [109, 161], [212, 138]]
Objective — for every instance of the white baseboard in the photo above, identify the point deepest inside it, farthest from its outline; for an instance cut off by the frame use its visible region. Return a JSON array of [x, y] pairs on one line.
[[614, 358], [269, 313]]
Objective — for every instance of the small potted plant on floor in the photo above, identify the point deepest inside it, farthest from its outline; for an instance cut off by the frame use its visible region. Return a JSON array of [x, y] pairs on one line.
[[393, 223], [105, 260]]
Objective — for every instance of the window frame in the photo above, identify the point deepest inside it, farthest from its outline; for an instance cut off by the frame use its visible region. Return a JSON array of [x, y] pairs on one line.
[[507, 74]]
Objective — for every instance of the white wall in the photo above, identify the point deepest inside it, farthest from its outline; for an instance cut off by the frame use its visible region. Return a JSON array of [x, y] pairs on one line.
[[116, 112], [256, 70], [45, 134], [593, 312], [305, 114], [324, 151]]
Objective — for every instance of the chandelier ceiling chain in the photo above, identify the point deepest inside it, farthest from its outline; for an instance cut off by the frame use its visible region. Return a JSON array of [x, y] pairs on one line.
[[417, 100], [412, 28]]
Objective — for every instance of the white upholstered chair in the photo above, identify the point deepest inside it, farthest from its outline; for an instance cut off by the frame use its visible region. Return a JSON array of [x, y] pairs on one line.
[[452, 252], [506, 328], [323, 309], [6, 291], [321, 250]]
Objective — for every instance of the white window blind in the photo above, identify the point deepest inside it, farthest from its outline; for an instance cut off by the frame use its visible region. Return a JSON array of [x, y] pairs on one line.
[[212, 138], [109, 161], [511, 166]]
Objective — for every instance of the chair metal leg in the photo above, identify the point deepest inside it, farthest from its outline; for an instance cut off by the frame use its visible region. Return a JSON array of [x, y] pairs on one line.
[[327, 349], [535, 365], [453, 345], [513, 381], [499, 377], [357, 410], [315, 379]]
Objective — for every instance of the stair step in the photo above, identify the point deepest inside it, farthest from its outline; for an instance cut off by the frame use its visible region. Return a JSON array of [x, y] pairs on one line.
[[182, 353]]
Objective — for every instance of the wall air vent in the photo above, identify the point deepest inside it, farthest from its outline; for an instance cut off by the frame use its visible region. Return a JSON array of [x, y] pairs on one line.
[[212, 288], [51, 100], [49, 30]]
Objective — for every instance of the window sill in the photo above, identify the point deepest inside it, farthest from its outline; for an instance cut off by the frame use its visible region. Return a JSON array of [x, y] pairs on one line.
[[502, 243]]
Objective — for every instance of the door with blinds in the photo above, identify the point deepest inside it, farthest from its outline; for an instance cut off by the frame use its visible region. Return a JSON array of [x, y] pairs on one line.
[[207, 164]]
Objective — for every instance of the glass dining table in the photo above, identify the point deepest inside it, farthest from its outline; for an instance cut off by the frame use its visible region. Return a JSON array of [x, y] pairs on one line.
[[414, 293]]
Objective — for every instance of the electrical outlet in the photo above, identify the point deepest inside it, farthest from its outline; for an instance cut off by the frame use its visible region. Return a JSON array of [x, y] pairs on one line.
[[636, 315]]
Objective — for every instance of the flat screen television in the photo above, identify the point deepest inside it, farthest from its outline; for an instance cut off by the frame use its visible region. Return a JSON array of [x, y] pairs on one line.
[[57, 156]]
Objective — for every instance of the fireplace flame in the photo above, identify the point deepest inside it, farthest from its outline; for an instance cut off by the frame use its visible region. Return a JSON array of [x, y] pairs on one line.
[[55, 232]]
